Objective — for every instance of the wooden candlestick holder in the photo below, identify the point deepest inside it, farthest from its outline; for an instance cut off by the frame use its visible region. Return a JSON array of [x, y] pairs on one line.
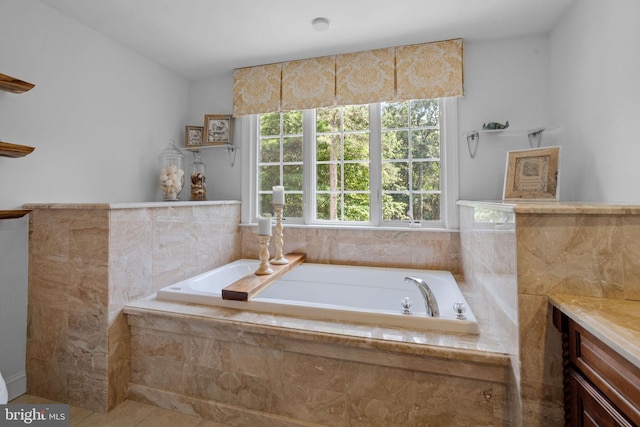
[[279, 258], [264, 267]]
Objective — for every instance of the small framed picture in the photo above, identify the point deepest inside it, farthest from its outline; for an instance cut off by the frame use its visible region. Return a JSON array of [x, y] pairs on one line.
[[218, 129], [532, 174], [193, 136]]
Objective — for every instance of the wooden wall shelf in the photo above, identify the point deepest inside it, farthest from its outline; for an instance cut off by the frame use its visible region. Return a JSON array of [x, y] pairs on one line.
[[18, 213], [13, 85], [14, 150]]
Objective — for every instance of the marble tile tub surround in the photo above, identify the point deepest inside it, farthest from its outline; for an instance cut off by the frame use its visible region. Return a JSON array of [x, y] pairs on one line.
[[589, 250], [75, 354], [488, 241], [415, 248], [86, 261], [244, 368]]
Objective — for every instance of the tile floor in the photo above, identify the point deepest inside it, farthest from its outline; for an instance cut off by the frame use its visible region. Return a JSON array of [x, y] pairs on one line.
[[127, 414]]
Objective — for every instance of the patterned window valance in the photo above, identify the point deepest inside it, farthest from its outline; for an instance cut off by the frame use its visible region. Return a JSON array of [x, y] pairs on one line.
[[308, 83], [428, 70], [365, 77], [257, 89]]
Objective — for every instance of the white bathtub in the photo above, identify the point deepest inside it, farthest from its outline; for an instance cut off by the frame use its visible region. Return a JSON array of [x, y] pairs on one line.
[[335, 292]]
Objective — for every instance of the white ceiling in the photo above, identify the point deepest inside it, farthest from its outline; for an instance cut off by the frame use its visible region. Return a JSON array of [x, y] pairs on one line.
[[201, 38]]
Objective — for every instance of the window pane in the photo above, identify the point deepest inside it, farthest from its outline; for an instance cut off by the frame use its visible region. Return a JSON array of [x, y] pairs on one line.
[[395, 115], [264, 202], [328, 177], [269, 150], [356, 176], [292, 177], [356, 146], [356, 207], [293, 206], [425, 144], [395, 176], [425, 112], [426, 176], [292, 123], [328, 120], [356, 117], [328, 206], [395, 206], [292, 149], [426, 207], [328, 148], [270, 124], [269, 177], [395, 145]]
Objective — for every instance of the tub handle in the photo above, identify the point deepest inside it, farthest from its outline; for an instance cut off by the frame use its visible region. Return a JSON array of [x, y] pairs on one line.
[[406, 304], [459, 308]]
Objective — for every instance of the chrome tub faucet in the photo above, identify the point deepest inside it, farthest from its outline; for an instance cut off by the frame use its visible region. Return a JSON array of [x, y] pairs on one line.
[[430, 302]]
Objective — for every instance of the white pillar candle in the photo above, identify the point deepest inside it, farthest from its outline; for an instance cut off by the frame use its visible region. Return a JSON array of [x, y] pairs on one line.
[[278, 195], [264, 225]]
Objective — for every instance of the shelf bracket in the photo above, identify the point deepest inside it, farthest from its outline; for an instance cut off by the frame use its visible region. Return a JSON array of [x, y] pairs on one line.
[[231, 153], [473, 138], [535, 137]]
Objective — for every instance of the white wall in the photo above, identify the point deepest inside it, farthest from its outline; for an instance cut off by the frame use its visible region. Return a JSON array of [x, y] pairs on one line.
[[503, 80], [215, 96], [595, 75], [98, 117]]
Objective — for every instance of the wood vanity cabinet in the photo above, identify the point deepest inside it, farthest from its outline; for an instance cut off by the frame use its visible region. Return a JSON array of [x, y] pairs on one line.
[[601, 388]]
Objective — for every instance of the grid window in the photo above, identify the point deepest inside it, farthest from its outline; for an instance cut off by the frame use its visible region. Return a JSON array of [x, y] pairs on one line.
[[343, 190], [377, 164], [411, 160], [280, 161]]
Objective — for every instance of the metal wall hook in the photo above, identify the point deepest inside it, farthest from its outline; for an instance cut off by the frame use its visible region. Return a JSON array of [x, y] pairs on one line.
[[473, 138]]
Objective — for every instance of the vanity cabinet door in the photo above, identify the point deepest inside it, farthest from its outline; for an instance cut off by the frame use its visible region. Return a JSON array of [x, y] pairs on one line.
[[601, 388], [590, 408], [610, 373]]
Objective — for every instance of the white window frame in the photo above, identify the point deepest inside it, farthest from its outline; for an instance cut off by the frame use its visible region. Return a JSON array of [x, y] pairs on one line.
[[249, 134]]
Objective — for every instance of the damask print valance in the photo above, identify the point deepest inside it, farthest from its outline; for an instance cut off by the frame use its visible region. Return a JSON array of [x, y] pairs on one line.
[[308, 83], [428, 70]]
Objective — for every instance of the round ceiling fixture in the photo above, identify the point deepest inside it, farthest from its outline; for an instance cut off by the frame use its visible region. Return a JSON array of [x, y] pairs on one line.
[[320, 24]]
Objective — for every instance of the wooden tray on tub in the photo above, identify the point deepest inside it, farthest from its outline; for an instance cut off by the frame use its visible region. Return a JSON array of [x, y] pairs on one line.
[[247, 287]]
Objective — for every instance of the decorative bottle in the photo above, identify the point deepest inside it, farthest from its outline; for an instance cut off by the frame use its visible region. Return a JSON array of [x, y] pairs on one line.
[[198, 180], [171, 172]]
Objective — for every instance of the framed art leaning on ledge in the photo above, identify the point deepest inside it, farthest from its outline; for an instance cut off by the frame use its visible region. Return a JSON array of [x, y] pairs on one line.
[[218, 129], [532, 174], [193, 136]]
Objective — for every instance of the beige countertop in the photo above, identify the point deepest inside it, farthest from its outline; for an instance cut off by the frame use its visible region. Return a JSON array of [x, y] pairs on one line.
[[128, 205], [615, 322], [554, 207]]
